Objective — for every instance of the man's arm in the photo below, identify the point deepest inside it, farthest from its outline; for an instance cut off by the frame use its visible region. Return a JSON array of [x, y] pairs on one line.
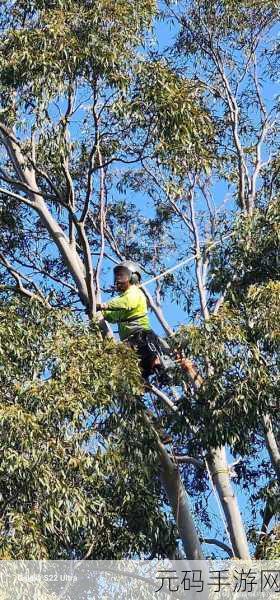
[[119, 308], [115, 310]]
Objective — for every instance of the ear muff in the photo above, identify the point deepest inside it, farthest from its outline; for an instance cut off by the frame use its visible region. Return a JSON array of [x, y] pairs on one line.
[[134, 279]]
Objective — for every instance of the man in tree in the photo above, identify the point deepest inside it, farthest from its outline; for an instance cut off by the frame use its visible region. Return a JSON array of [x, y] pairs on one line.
[[129, 310]]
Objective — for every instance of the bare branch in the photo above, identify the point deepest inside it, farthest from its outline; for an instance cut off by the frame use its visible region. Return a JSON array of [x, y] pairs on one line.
[[258, 91], [199, 263], [17, 197], [234, 114], [171, 201], [102, 216], [17, 183], [46, 177], [158, 312], [271, 444], [222, 298], [189, 460], [221, 545], [162, 396], [21, 288], [91, 162], [42, 271]]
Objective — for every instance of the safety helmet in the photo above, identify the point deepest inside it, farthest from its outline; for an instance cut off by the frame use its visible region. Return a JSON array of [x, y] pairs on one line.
[[132, 268]]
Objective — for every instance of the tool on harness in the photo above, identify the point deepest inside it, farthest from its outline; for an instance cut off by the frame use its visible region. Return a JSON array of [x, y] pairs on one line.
[[154, 354]]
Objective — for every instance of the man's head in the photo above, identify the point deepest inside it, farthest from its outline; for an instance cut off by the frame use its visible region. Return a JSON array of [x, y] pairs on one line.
[[126, 274], [122, 279]]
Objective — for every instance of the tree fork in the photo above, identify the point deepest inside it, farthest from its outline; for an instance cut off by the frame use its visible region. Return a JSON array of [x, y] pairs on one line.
[[175, 491], [219, 471], [176, 494]]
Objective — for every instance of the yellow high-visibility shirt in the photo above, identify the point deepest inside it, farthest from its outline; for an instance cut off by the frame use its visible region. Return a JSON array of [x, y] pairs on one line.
[[121, 310]]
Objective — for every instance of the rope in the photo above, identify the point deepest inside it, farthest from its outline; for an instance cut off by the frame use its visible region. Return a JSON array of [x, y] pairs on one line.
[[224, 471], [219, 502], [186, 260]]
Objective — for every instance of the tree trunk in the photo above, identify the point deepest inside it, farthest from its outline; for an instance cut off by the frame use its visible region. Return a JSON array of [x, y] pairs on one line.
[[218, 467], [219, 470], [175, 491], [271, 445], [70, 256]]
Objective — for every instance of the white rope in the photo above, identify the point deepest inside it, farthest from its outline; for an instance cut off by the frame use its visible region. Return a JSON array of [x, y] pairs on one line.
[[186, 260], [219, 505]]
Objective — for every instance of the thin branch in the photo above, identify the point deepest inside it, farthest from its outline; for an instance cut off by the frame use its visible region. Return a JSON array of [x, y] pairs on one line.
[[46, 177], [189, 460], [258, 163], [222, 298], [234, 115], [262, 106], [271, 444], [199, 263], [65, 163], [158, 312], [19, 277], [102, 216], [17, 183], [215, 542], [42, 271], [172, 202], [91, 163], [17, 197], [162, 396]]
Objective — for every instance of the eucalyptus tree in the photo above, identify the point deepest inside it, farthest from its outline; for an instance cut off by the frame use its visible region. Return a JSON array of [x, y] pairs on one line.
[[230, 52], [68, 71], [111, 151], [227, 55]]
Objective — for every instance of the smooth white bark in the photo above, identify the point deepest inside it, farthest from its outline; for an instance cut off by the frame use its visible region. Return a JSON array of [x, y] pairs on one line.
[[178, 501], [272, 446], [219, 470]]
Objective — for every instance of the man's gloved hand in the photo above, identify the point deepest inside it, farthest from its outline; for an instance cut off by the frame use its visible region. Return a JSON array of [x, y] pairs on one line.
[[101, 307]]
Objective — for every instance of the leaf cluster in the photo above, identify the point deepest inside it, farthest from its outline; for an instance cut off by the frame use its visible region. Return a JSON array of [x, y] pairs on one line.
[[71, 482], [46, 44]]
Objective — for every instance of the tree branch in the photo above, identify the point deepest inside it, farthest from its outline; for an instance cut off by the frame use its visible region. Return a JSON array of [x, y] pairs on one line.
[[215, 542], [198, 260], [162, 396], [271, 444], [189, 460], [102, 216], [21, 288], [17, 197]]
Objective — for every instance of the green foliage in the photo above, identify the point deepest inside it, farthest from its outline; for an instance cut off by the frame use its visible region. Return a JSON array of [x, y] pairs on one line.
[[70, 481], [227, 20], [239, 383], [252, 256], [237, 350], [46, 45], [172, 106], [271, 545]]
